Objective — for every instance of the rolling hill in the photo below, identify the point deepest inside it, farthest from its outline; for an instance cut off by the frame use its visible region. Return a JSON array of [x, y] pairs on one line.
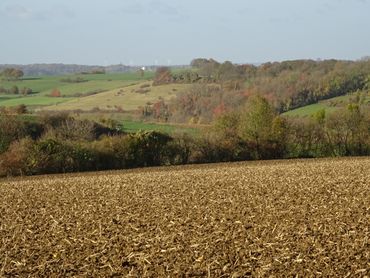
[[127, 98], [87, 85]]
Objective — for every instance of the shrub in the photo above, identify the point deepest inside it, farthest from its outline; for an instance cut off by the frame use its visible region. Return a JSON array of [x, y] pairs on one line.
[[15, 160], [11, 129], [52, 156], [143, 86], [162, 76], [142, 91], [178, 150], [145, 148], [14, 90], [55, 93]]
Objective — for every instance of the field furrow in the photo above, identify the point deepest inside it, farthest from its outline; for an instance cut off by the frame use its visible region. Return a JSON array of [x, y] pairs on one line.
[[309, 218]]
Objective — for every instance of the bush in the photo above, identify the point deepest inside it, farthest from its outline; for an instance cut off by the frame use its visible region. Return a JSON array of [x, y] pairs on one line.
[[143, 86], [15, 160], [52, 156], [145, 148], [55, 93], [77, 79], [11, 129], [109, 152], [178, 150], [163, 75], [142, 91]]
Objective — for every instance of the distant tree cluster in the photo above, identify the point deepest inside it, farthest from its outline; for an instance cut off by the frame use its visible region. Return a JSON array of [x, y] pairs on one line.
[[293, 84], [14, 90], [76, 79], [158, 111], [214, 71], [187, 77], [95, 71], [204, 71], [201, 103], [12, 74]]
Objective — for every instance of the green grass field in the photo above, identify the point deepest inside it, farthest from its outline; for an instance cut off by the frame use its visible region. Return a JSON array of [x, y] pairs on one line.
[[44, 83], [7, 97], [132, 124], [42, 87], [33, 101], [127, 76], [37, 84], [309, 110], [329, 105], [125, 90], [71, 89]]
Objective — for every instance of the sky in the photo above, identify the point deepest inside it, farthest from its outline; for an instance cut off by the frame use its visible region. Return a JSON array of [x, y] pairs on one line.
[[172, 32]]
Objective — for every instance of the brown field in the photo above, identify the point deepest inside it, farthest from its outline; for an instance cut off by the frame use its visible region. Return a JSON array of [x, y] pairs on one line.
[[301, 218]]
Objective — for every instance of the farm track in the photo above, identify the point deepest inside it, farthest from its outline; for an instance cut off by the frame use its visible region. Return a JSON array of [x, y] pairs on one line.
[[309, 218]]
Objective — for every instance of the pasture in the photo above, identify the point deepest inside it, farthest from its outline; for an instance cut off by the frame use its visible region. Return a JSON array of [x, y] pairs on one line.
[[42, 87], [329, 105], [298, 218], [112, 91], [131, 124], [126, 98], [36, 100]]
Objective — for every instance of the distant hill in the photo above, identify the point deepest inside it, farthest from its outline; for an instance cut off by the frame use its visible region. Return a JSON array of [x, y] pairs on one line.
[[60, 69], [57, 69]]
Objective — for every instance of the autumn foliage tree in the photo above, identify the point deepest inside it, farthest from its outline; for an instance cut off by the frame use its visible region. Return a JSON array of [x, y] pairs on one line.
[[55, 93], [162, 76]]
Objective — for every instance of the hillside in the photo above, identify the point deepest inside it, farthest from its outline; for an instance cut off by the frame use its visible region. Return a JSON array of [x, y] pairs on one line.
[[331, 105], [126, 98], [199, 94], [69, 86]]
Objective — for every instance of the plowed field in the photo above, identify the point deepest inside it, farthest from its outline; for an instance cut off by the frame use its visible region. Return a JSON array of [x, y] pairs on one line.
[[301, 218]]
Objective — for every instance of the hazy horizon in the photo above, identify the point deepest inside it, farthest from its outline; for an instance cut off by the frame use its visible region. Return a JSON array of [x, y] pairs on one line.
[[163, 32]]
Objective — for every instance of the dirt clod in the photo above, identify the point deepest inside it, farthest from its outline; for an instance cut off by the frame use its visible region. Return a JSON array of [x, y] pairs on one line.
[[301, 218]]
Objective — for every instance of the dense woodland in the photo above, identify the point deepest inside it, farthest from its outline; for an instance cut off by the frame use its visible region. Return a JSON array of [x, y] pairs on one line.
[[224, 87]]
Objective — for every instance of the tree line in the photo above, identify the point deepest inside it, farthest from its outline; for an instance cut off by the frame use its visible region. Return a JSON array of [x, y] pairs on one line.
[[59, 143]]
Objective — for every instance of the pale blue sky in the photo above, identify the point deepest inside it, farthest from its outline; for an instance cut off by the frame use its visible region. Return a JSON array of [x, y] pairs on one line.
[[175, 31]]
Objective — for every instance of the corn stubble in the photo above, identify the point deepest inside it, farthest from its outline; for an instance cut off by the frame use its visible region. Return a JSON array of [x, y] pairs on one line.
[[278, 218]]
